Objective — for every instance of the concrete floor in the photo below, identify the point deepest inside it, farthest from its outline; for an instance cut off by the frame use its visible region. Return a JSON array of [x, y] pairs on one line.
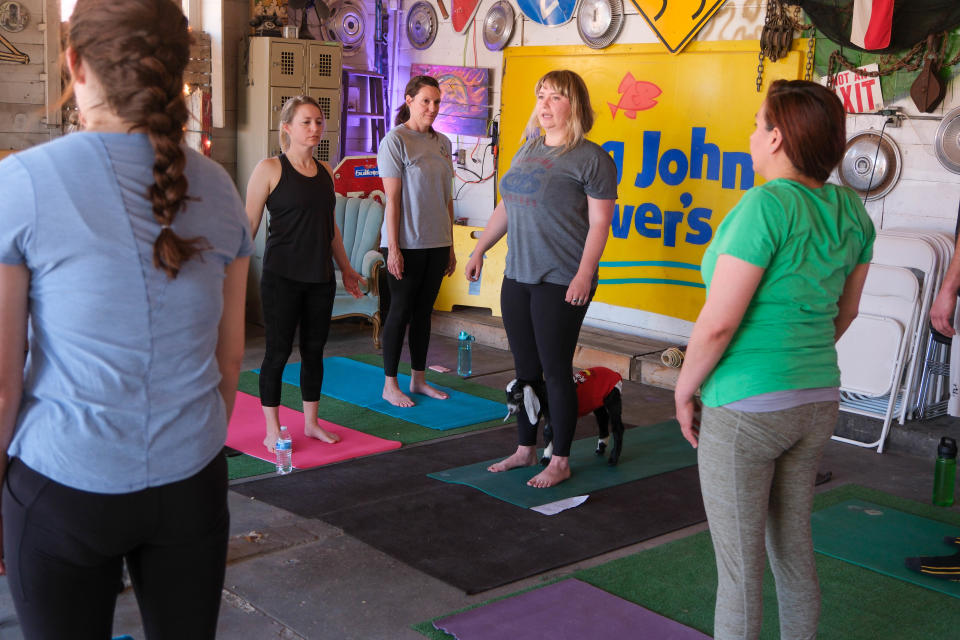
[[291, 577]]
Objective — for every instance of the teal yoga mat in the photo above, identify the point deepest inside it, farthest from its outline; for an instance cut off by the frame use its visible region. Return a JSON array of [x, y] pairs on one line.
[[879, 538], [362, 384], [647, 451]]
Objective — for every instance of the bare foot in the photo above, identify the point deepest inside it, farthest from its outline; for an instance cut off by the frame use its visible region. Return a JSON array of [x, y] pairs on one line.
[[321, 434], [270, 442], [427, 390], [520, 458], [556, 472], [397, 398]]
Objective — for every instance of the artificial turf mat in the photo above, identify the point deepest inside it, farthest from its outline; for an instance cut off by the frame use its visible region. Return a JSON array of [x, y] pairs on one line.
[[244, 466], [647, 452], [679, 580], [464, 537]]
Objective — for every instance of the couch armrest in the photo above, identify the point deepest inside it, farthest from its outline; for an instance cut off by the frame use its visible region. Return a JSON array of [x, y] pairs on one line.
[[370, 260]]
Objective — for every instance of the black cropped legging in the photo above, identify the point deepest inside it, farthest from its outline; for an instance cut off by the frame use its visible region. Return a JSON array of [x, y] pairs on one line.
[[411, 304], [542, 330], [287, 304], [64, 549]]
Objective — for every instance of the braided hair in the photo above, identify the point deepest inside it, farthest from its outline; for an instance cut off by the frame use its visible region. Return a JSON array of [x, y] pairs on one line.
[[138, 50]]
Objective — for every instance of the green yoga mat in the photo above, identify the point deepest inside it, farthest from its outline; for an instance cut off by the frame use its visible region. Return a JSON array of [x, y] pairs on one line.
[[679, 580], [879, 538], [647, 451], [377, 424]]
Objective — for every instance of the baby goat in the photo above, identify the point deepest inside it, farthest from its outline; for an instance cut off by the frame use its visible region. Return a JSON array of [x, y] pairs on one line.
[[598, 391]]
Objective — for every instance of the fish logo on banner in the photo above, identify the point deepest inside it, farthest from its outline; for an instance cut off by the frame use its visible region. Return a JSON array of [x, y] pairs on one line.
[[550, 13], [635, 95], [676, 21]]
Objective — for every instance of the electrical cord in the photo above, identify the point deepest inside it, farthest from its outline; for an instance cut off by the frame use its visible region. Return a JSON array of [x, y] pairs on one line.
[[873, 167]]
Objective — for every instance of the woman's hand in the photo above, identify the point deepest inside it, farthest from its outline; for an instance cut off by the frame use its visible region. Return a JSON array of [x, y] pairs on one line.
[[941, 312], [395, 263], [578, 293], [688, 415], [352, 281], [474, 266], [452, 264]]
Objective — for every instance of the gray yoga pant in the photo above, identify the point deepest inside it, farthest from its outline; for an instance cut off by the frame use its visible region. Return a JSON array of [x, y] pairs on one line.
[[757, 473]]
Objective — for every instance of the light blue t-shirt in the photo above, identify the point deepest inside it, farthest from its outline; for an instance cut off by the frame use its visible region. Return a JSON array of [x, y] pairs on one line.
[[120, 384]]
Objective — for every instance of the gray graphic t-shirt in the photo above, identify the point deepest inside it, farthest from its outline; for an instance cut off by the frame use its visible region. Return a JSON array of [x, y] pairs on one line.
[[545, 193], [424, 165]]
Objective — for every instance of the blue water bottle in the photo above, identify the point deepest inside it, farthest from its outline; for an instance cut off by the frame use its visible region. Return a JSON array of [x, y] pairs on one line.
[[464, 356]]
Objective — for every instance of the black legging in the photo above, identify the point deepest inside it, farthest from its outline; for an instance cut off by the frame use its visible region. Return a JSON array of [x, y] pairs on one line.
[[542, 330], [411, 303], [286, 304], [64, 550]]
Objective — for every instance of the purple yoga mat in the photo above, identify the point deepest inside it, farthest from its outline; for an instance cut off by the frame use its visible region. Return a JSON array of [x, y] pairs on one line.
[[567, 610]]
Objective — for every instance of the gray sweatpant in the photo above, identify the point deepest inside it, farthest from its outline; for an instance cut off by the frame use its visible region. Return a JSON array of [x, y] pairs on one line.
[[757, 473]]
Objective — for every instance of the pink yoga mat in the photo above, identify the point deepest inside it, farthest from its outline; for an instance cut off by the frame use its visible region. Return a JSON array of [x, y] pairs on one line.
[[246, 433]]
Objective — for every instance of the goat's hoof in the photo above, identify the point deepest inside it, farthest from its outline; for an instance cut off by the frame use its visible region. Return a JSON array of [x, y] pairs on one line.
[[601, 448], [544, 462]]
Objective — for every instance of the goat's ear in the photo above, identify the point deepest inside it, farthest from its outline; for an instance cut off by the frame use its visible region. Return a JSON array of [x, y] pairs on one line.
[[531, 403], [511, 385]]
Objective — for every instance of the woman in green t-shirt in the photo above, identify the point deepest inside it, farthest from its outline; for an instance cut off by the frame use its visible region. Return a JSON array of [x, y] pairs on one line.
[[784, 276]]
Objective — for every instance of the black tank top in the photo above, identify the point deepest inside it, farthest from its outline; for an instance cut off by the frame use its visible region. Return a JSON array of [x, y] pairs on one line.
[[300, 227]]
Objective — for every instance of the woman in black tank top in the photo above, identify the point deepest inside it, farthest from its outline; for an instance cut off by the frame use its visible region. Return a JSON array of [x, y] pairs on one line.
[[298, 284]]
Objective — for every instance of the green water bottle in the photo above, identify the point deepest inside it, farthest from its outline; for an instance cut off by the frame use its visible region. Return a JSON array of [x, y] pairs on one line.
[[945, 472]]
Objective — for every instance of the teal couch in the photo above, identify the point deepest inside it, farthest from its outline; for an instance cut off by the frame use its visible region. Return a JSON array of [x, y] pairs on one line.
[[359, 221]]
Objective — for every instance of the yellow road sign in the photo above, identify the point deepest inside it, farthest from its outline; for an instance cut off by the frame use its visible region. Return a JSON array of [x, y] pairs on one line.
[[676, 21]]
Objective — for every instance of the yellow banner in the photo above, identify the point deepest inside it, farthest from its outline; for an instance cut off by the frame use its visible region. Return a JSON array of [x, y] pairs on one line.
[[678, 129]]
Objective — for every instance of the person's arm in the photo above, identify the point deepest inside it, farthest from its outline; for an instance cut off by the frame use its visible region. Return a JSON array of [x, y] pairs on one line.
[[452, 264], [732, 287], [14, 286], [600, 213], [849, 303], [262, 181], [944, 305], [230, 334], [391, 213], [496, 229], [351, 279]]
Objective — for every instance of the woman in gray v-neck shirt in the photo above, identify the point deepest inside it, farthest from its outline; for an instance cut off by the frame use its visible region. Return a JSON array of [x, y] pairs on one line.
[[563, 185]]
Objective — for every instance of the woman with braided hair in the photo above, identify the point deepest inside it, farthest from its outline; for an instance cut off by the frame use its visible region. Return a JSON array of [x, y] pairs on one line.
[[127, 254]]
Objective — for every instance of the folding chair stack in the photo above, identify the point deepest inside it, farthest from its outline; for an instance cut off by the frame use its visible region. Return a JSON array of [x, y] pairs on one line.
[[888, 368]]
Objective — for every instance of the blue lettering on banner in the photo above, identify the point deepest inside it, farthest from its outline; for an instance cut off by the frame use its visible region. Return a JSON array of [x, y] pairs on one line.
[[674, 167], [366, 172]]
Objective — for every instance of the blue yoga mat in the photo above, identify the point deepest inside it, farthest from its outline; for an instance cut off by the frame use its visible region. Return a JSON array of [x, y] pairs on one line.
[[362, 384]]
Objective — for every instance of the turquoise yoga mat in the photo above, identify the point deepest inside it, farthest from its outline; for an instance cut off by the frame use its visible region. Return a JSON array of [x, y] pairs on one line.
[[647, 451], [362, 384], [879, 538]]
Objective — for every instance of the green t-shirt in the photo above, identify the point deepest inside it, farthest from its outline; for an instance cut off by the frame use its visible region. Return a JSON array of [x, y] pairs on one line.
[[807, 241]]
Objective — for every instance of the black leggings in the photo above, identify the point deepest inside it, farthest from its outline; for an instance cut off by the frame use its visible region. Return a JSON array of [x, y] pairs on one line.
[[542, 330], [286, 304], [64, 550], [411, 303]]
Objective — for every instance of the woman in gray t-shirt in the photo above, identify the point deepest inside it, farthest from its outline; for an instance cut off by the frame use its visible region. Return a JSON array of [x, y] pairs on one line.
[[562, 185], [415, 164]]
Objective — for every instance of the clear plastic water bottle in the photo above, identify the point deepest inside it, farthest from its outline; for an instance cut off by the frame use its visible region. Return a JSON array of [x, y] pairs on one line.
[[284, 452], [945, 472], [464, 356]]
